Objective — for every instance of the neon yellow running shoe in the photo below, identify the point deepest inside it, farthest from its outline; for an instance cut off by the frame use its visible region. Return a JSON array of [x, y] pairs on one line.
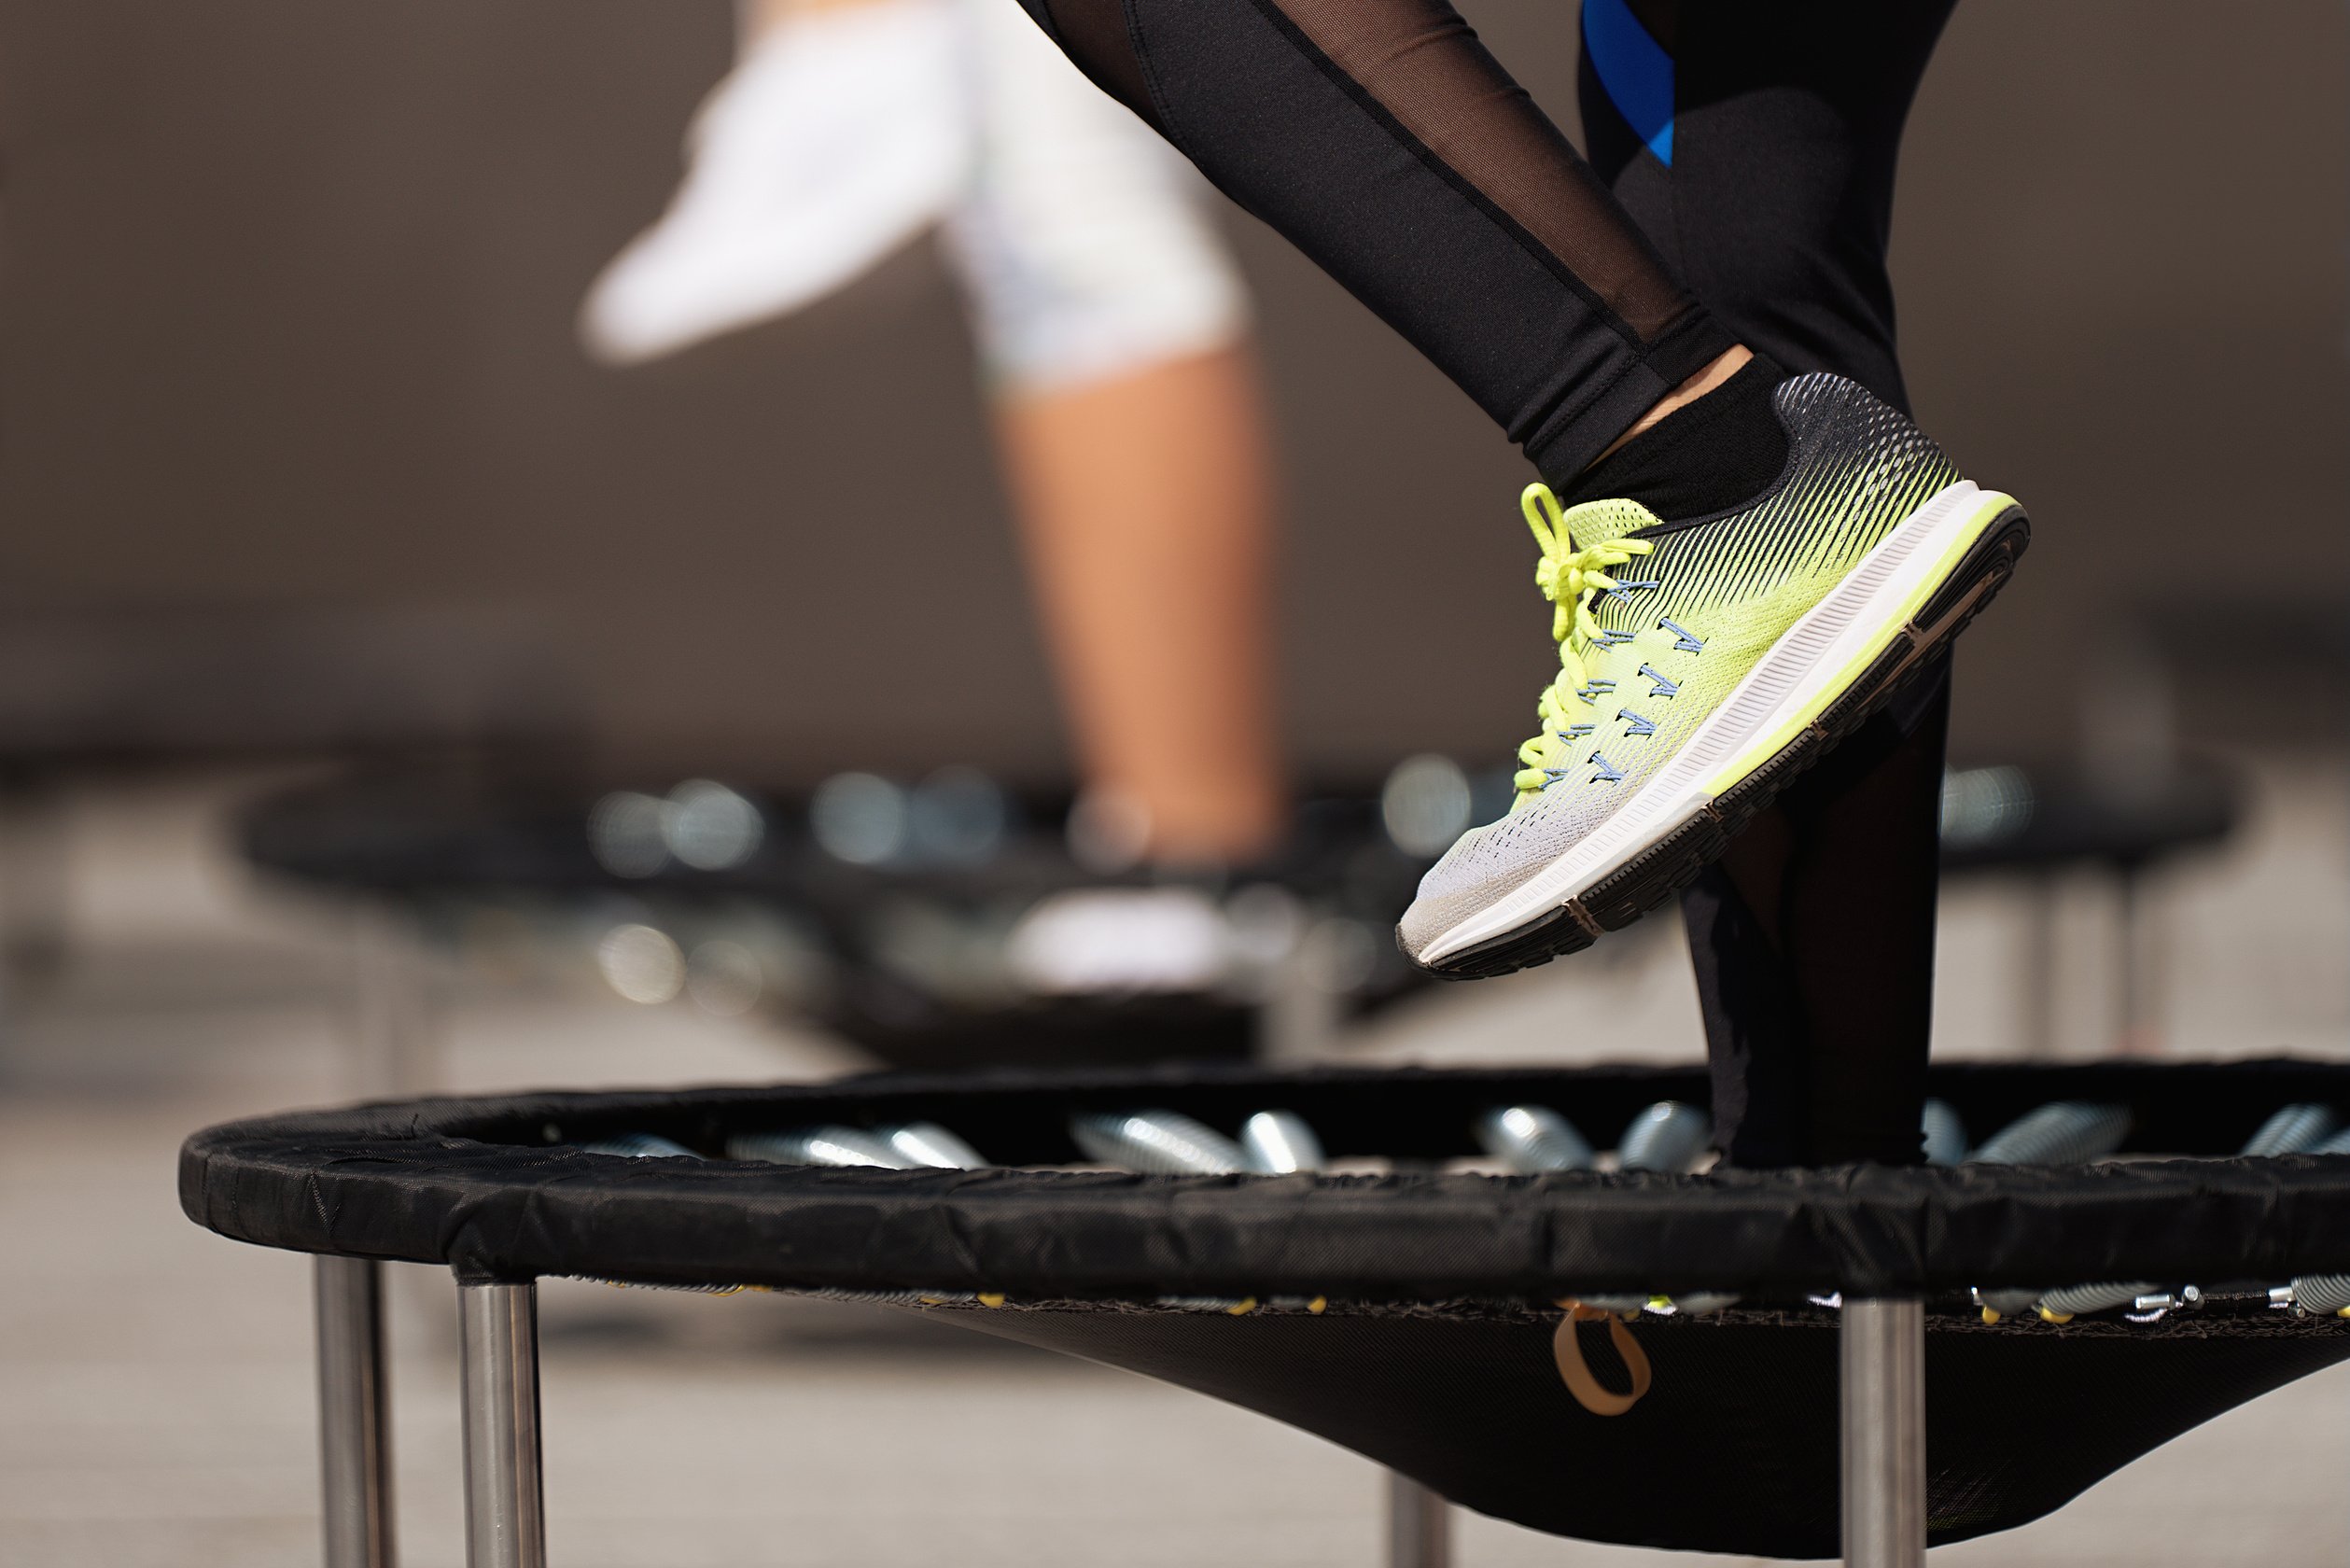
[[1704, 664]]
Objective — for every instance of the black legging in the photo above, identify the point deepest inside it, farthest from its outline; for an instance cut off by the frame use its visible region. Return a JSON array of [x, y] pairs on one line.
[[1814, 938], [1745, 146], [1384, 141], [1787, 119]]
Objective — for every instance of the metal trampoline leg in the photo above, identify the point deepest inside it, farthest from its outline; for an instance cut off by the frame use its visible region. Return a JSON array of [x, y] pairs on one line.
[[1884, 1432], [1419, 1525], [505, 1505], [355, 1449]]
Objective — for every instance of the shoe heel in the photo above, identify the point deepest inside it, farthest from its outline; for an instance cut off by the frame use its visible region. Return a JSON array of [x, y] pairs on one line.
[[1978, 580], [1972, 584]]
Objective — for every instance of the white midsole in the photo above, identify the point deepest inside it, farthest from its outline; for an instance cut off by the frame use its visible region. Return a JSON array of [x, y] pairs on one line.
[[1789, 677]]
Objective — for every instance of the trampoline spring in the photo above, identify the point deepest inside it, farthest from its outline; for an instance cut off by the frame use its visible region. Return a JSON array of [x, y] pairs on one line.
[[2293, 1129], [1529, 1139], [2322, 1295], [1167, 1143], [1667, 1136], [891, 1298], [1230, 1306], [2319, 1294], [639, 1145], [927, 1146], [1693, 1304], [1155, 1142], [2150, 1308], [2065, 1303], [1280, 1144], [816, 1145], [2004, 1302], [661, 1285], [2064, 1132], [1945, 1133]]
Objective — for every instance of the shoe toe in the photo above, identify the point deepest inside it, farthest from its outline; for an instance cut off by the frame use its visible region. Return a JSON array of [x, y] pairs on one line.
[[1488, 864], [1476, 871]]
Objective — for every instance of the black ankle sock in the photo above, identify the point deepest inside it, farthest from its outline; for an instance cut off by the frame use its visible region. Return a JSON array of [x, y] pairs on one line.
[[1715, 454]]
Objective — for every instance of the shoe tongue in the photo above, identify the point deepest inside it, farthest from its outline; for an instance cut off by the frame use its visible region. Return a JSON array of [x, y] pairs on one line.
[[1599, 522], [1602, 522]]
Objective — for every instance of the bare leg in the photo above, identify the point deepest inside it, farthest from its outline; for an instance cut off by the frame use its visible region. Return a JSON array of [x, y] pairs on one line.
[[1718, 369], [1145, 504]]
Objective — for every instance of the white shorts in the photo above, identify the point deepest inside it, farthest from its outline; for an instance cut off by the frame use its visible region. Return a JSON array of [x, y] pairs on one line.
[[1086, 246]]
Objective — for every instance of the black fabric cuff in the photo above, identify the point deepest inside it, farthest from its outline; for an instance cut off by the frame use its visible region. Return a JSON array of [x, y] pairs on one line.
[[1572, 439]]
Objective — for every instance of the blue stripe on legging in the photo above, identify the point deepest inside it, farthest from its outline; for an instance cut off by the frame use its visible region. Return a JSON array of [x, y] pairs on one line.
[[1635, 70]]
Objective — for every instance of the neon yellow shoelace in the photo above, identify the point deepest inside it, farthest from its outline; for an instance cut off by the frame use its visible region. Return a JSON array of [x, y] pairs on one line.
[[1566, 576]]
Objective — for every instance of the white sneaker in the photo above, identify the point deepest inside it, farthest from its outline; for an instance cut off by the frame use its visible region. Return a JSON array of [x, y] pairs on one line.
[[837, 137]]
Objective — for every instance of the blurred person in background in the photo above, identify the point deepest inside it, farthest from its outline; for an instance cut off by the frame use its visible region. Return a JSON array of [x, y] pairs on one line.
[[1643, 324], [1757, 563], [1113, 331]]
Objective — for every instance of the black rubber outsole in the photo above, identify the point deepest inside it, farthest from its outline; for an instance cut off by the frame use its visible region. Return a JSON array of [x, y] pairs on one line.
[[1657, 874]]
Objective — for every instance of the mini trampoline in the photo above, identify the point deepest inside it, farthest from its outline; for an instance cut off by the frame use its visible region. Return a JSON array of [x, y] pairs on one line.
[[907, 918], [1778, 1363]]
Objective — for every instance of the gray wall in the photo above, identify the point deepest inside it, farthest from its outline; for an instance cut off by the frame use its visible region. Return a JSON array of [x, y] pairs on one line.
[[285, 321]]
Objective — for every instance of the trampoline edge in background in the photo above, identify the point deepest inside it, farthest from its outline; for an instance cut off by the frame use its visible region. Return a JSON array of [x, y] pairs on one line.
[[1432, 1271]]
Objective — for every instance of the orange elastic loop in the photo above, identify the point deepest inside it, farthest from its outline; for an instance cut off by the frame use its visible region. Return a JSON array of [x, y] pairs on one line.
[[1566, 1347]]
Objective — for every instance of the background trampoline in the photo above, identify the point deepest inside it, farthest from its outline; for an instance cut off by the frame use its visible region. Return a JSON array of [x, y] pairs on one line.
[[1402, 1308]]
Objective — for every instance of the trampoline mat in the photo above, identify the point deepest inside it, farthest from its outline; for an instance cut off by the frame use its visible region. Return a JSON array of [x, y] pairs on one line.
[[1734, 1449]]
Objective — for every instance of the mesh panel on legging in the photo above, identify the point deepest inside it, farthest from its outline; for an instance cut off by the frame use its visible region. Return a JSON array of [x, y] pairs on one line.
[[1383, 139], [1814, 938]]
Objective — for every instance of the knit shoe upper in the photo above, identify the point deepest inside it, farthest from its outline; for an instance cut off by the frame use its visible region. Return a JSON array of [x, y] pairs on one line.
[[1660, 621]]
